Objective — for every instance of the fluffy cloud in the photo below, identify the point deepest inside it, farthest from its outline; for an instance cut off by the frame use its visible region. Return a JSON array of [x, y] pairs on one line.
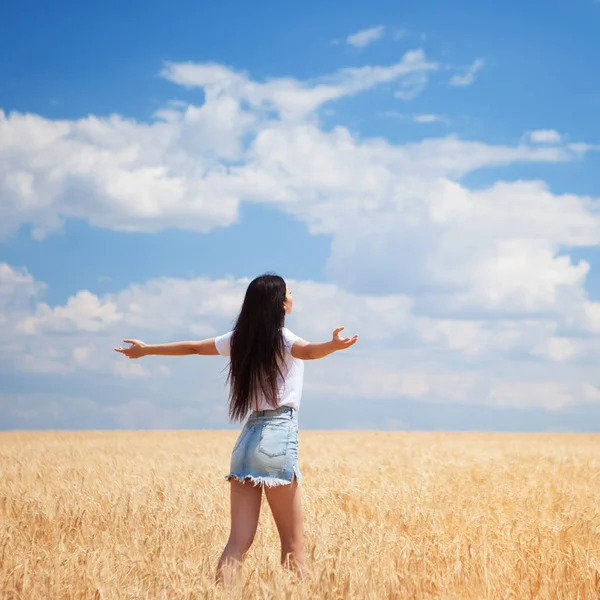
[[397, 214], [289, 98], [83, 312], [17, 286], [496, 250], [402, 354], [180, 171], [447, 285], [363, 38], [557, 349], [545, 136], [249, 141], [591, 316]]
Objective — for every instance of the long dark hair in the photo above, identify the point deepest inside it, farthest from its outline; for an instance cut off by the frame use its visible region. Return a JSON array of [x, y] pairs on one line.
[[257, 350]]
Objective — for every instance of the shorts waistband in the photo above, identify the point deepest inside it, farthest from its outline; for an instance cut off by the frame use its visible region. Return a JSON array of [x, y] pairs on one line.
[[272, 412]]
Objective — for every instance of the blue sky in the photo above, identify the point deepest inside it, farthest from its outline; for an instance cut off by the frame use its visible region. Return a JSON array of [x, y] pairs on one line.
[[424, 173]]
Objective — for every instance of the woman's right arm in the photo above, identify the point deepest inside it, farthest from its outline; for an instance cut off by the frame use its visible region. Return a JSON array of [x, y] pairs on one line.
[[316, 350], [138, 349]]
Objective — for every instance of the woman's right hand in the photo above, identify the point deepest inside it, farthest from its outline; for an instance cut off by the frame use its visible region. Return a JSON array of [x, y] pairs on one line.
[[341, 343], [136, 350]]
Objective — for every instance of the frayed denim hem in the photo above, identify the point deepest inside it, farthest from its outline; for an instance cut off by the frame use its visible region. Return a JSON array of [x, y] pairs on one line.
[[259, 481], [263, 481]]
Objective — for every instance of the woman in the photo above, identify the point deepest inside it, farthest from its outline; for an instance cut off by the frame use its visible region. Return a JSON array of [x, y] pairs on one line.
[[265, 376]]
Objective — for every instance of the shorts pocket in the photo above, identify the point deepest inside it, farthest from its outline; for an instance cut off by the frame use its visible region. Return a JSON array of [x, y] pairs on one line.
[[274, 439]]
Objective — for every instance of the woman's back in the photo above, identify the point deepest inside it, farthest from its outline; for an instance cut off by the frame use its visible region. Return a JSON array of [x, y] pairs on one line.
[[290, 379]]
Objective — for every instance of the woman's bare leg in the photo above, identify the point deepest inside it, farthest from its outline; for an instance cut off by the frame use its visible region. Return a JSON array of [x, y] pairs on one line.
[[286, 505], [245, 511]]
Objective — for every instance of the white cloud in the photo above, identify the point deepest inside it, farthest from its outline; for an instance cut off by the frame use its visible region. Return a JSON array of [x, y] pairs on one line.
[[581, 148], [494, 249], [468, 77], [82, 354], [83, 312], [179, 172], [290, 98], [548, 394], [452, 274], [557, 349], [402, 354], [130, 369], [386, 384], [397, 213], [193, 170], [428, 118], [17, 286], [363, 38], [591, 316], [545, 136]]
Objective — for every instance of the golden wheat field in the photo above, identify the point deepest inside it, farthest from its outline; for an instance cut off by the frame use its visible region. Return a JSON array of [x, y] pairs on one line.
[[109, 515]]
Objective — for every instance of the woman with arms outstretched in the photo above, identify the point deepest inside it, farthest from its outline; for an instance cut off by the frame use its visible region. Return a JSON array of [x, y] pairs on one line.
[[266, 374]]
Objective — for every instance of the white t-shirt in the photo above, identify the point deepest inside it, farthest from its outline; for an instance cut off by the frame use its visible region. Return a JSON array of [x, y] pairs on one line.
[[290, 386]]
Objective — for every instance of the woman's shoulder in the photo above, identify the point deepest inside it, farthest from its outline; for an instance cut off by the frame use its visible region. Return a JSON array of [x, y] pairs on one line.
[[289, 337], [223, 343]]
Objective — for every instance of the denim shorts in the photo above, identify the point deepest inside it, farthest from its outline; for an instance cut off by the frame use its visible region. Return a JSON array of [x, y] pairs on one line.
[[266, 451]]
